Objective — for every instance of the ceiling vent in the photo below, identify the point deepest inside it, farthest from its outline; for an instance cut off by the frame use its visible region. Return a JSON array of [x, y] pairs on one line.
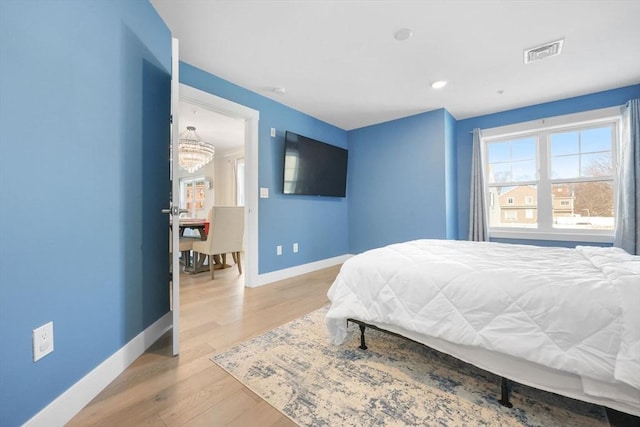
[[544, 51]]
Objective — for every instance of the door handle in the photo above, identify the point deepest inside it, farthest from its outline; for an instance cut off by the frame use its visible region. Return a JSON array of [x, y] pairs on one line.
[[174, 211]]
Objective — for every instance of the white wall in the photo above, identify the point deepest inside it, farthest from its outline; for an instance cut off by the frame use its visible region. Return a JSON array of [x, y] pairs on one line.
[[224, 176]]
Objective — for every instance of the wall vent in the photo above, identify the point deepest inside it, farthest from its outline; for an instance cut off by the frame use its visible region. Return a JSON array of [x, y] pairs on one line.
[[544, 51]]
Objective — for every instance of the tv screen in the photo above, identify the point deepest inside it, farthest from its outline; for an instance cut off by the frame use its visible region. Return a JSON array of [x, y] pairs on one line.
[[313, 168]]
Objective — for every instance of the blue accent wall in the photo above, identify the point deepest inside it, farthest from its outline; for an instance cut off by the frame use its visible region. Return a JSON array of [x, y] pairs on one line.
[[464, 137], [317, 224], [84, 107], [398, 180]]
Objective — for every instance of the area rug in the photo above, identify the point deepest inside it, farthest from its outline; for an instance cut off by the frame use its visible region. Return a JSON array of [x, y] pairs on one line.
[[396, 382]]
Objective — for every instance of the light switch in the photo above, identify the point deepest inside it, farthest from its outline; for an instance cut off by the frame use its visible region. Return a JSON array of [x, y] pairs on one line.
[[264, 193], [273, 132]]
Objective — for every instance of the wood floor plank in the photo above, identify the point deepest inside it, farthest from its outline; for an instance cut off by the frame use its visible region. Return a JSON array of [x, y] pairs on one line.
[[224, 412], [200, 401], [261, 414], [160, 390]]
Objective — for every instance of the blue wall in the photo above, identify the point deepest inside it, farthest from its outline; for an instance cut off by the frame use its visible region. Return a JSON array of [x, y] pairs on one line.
[[83, 106], [317, 224], [84, 102], [398, 180], [464, 138]]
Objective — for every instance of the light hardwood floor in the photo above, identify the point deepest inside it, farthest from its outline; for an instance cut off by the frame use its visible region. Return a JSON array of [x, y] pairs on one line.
[[191, 390]]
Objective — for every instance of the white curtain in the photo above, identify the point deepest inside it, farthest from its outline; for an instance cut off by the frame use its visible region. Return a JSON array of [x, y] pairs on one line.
[[478, 231], [627, 234]]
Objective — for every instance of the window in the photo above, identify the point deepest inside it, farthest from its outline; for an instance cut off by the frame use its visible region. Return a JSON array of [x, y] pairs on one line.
[[510, 215], [193, 196], [553, 179]]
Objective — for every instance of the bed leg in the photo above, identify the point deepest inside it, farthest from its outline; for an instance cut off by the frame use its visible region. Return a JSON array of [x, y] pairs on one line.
[[363, 346], [505, 390]]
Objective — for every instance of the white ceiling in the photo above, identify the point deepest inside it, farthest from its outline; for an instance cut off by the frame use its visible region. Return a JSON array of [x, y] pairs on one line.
[[225, 133], [339, 61]]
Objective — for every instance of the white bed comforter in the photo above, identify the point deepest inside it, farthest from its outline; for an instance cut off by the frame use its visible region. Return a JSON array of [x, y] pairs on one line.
[[576, 310]]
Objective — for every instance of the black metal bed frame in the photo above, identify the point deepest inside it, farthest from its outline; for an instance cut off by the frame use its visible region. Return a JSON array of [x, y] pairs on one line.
[[505, 384]]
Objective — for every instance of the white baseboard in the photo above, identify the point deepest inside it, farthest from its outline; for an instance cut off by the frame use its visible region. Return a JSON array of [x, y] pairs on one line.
[[74, 399], [69, 403], [274, 276]]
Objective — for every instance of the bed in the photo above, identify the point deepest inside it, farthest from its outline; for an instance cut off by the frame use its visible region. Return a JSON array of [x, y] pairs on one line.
[[558, 319]]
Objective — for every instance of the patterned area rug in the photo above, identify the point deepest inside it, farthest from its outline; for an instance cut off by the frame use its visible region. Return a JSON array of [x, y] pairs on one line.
[[396, 382]]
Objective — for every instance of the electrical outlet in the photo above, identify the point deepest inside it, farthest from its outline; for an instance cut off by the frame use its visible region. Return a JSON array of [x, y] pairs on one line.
[[279, 250], [42, 341], [295, 248]]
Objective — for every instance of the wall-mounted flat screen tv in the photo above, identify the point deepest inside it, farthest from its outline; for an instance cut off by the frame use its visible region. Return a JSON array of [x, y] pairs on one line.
[[313, 168]]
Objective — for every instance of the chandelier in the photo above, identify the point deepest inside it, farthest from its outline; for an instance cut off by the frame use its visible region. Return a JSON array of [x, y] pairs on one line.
[[193, 152]]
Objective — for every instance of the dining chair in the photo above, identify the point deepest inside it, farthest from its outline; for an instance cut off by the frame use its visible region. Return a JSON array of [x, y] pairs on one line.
[[185, 248], [226, 235]]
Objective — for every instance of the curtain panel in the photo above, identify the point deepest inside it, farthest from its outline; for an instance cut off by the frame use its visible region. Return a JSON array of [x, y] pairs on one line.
[[478, 230], [627, 234]]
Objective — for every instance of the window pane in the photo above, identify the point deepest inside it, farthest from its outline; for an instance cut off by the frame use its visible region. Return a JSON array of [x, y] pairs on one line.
[[499, 152], [595, 140], [564, 143], [596, 164], [523, 171], [565, 167], [513, 206], [583, 153], [512, 161], [499, 172], [523, 149], [583, 205]]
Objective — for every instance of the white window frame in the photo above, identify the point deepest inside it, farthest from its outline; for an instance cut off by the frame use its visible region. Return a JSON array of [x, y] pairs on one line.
[[545, 229], [184, 183]]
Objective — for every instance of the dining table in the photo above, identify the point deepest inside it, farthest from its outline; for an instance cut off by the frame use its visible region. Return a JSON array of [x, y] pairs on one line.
[[201, 225], [192, 266]]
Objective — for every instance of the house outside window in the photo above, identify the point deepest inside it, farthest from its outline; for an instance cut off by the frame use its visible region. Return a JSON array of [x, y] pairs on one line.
[[553, 179], [193, 196]]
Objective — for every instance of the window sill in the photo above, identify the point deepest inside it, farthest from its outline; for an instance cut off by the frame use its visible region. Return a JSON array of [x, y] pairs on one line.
[[595, 237]]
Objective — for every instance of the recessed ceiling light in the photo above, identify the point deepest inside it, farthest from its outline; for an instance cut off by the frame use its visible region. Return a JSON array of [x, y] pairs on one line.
[[279, 90], [439, 84], [403, 34]]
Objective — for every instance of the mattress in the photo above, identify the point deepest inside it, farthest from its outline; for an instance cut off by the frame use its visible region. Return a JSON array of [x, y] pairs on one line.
[[571, 312]]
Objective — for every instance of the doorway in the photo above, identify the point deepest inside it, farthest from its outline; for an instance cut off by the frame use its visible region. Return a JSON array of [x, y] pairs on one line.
[[243, 122]]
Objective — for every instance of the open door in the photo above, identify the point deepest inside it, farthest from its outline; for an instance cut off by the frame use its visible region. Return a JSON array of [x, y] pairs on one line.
[[175, 198]]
